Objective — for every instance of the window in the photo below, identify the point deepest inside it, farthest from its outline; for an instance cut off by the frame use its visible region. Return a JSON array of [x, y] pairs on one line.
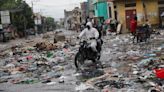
[[115, 6], [130, 5], [110, 11], [115, 14]]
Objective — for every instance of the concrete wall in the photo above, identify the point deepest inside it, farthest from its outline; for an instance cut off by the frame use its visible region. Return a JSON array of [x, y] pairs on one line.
[[101, 9], [90, 5], [152, 12], [140, 12], [121, 14], [84, 14], [111, 5]]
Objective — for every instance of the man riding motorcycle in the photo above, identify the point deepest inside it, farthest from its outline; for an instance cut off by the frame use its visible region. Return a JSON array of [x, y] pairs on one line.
[[91, 35], [90, 48]]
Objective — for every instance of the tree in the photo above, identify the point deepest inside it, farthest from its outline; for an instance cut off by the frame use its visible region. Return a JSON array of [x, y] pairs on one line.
[[7, 4], [21, 13], [50, 23]]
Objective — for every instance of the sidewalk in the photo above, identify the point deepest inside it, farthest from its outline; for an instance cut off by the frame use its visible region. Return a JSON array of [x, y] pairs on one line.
[[23, 41], [32, 39]]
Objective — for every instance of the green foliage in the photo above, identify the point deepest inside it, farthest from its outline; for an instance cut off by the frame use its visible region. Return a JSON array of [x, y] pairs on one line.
[[50, 22], [21, 13], [7, 4]]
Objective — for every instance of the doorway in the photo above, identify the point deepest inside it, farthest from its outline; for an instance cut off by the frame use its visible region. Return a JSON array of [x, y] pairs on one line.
[[130, 14], [161, 20]]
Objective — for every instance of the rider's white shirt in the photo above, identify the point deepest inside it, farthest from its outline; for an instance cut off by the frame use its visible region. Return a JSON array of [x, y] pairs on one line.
[[87, 34]]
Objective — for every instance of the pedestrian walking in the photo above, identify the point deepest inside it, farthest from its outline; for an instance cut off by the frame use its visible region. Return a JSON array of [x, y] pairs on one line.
[[133, 27]]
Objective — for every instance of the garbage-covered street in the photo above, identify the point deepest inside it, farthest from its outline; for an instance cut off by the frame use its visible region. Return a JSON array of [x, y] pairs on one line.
[[45, 66], [81, 46]]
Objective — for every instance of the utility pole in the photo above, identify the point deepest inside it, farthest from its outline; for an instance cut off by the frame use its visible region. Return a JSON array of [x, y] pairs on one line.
[[32, 5]]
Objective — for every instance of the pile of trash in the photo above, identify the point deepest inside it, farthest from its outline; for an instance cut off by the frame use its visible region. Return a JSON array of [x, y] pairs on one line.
[[150, 70], [133, 67], [41, 63], [112, 83], [126, 67], [46, 46]]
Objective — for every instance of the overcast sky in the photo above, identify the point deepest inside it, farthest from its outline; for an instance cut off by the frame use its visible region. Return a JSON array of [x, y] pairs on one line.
[[54, 8]]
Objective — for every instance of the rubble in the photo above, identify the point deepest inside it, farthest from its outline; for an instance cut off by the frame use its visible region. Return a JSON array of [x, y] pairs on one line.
[[127, 67], [142, 67], [60, 37], [111, 83], [83, 87], [29, 65], [46, 36], [46, 46]]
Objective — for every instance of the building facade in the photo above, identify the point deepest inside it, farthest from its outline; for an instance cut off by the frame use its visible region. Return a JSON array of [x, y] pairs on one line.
[[125, 10], [84, 11], [67, 19], [72, 19], [101, 8], [90, 10]]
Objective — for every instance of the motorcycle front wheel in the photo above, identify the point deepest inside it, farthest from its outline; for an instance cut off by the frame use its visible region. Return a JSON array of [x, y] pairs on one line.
[[79, 61]]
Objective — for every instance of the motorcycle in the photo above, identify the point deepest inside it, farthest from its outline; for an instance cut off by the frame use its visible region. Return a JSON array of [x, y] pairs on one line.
[[143, 33], [86, 53]]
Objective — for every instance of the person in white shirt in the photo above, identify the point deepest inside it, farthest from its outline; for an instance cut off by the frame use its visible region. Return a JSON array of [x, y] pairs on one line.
[[91, 34]]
